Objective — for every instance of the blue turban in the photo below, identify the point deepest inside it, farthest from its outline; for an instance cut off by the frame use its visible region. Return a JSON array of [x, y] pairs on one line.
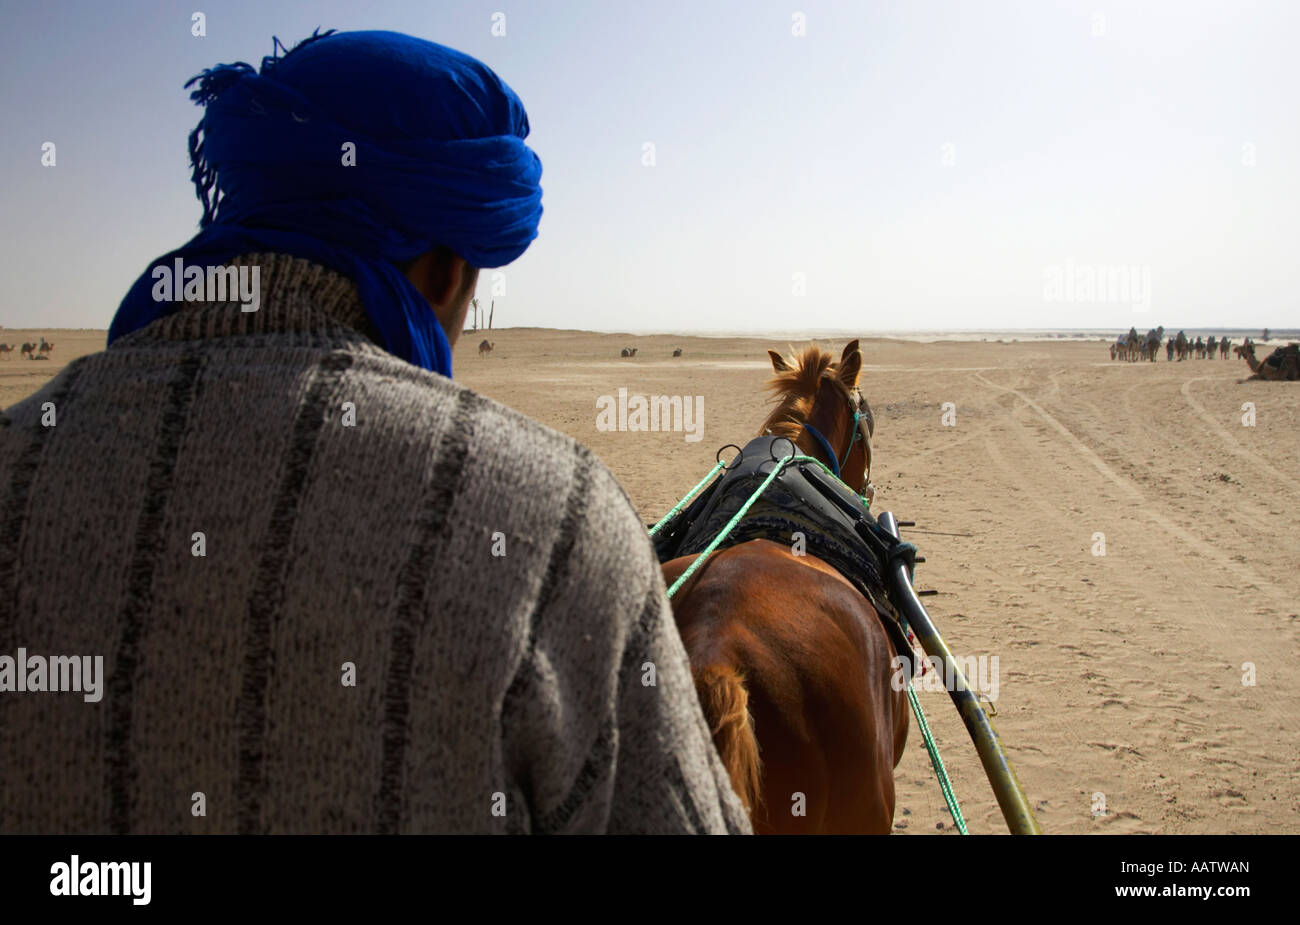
[[439, 159]]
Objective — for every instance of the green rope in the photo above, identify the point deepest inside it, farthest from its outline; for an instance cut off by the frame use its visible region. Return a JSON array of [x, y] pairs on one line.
[[939, 770], [689, 495]]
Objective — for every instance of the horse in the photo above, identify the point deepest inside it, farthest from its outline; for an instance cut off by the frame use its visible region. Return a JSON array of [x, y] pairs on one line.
[[791, 663]]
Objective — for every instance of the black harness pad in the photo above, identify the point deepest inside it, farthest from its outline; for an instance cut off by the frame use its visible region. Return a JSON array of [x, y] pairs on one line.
[[802, 499]]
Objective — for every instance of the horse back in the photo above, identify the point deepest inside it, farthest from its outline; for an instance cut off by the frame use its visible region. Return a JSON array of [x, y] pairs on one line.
[[817, 667]]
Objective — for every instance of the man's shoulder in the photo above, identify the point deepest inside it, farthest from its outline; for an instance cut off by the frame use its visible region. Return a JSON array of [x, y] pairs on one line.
[[430, 404], [507, 447]]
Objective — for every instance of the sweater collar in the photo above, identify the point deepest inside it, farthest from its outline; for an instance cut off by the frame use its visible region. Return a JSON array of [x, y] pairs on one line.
[[294, 296]]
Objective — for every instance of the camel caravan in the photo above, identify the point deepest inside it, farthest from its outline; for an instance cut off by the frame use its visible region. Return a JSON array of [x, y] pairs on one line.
[[1282, 365], [1134, 346], [30, 351]]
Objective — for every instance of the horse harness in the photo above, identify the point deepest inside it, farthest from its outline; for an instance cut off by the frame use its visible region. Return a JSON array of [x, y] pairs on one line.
[[803, 501]]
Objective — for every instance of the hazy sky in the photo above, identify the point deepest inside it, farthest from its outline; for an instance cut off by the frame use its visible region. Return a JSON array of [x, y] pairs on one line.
[[906, 165]]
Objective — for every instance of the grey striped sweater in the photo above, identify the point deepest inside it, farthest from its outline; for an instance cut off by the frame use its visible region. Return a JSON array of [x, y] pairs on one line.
[[333, 593]]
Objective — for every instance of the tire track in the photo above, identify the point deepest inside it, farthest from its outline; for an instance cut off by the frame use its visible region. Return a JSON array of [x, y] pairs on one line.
[[1142, 502], [1233, 446]]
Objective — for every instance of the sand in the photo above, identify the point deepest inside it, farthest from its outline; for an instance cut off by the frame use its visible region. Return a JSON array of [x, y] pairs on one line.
[[1120, 675]]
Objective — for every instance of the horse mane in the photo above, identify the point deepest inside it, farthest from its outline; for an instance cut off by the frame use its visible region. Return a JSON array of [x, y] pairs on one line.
[[797, 389]]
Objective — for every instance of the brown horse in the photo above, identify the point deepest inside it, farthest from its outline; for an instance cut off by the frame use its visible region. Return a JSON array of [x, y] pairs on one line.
[[791, 663]]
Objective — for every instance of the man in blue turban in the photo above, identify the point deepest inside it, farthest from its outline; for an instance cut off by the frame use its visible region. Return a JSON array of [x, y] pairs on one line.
[[308, 583]]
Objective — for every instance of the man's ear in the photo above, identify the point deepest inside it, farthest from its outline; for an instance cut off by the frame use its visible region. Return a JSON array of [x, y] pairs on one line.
[[446, 281], [851, 364], [778, 362], [441, 275]]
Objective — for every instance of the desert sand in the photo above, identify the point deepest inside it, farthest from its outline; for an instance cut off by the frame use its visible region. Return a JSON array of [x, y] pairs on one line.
[[1121, 674]]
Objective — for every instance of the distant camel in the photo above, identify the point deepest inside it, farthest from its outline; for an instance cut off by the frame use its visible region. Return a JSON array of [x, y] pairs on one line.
[[1169, 350], [677, 352], [1211, 348], [1112, 351], [1282, 365], [1182, 346], [485, 348], [1224, 343], [45, 347], [628, 352], [6, 349], [30, 349]]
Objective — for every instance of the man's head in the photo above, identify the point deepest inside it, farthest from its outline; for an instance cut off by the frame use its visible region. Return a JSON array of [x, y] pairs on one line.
[[394, 160]]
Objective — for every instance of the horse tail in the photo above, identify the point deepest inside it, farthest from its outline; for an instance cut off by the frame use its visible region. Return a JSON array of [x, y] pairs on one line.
[[725, 700]]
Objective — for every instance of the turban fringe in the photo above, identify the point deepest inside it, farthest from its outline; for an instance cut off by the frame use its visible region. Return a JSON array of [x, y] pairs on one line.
[[268, 165]]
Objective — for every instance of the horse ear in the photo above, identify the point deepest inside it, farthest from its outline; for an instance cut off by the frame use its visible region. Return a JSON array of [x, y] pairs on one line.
[[851, 364], [778, 362]]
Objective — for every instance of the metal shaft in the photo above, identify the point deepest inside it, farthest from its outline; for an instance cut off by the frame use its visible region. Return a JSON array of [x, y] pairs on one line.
[[1006, 786]]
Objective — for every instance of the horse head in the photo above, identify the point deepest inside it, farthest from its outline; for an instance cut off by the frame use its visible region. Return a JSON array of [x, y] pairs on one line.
[[820, 409]]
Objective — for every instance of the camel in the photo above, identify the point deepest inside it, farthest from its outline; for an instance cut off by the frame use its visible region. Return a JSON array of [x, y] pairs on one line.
[[1224, 343], [1152, 343], [485, 347], [1211, 346], [6, 349], [1112, 351], [1169, 350], [628, 352], [29, 350], [44, 348], [1182, 346], [677, 352], [1282, 365]]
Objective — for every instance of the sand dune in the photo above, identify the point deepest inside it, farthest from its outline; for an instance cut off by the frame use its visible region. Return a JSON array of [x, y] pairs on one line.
[[1120, 674]]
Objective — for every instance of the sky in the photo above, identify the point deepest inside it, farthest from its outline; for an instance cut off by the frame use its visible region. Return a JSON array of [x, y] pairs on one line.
[[741, 165]]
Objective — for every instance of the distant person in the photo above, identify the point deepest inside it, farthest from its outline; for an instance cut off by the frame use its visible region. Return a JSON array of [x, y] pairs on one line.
[[332, 590]]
